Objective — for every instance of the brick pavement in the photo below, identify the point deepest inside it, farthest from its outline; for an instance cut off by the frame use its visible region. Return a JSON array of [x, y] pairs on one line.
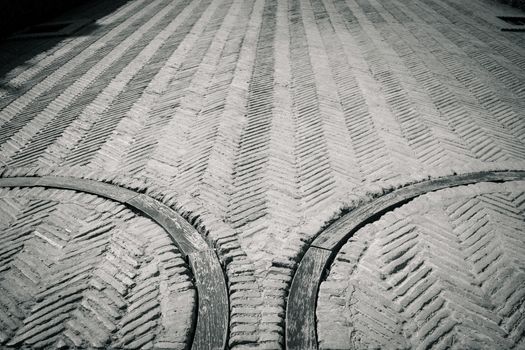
[[82, 271], [261, 121], [444, 271]]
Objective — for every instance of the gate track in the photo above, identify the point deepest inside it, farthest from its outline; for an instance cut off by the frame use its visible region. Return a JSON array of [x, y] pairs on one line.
[[213, 316], [301, 329]]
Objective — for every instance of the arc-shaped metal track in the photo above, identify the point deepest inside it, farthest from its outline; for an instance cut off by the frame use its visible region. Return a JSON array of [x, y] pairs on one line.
[[302, 301], [213, 309]]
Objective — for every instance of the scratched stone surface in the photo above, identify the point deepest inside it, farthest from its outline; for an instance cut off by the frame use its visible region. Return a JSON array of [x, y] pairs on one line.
[[261, 120]]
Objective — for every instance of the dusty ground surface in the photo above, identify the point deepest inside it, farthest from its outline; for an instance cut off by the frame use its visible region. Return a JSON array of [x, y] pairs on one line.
[[259, 121]]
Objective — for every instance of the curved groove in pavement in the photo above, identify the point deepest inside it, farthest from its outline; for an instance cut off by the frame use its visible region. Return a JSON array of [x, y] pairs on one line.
[[213, 308], [301, 332]]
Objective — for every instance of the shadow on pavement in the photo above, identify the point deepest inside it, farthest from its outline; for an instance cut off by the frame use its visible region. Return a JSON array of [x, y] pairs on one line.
[[18, 52]]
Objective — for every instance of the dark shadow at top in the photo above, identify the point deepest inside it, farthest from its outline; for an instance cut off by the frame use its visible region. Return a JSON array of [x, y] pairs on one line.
[[515, 3], [18, 51]]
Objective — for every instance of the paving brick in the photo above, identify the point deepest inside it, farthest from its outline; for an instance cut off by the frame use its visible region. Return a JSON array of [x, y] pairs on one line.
[[260, 122], [456, 224], [87, 290]]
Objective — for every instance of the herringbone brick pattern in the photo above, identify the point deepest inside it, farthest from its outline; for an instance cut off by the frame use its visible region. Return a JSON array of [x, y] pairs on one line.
[[444, 271], [262, 120], [81, 271]]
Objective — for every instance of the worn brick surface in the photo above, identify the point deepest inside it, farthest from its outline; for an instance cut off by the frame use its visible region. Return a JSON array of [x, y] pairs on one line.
[[261, 120], [444, 271], [81, 271]]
